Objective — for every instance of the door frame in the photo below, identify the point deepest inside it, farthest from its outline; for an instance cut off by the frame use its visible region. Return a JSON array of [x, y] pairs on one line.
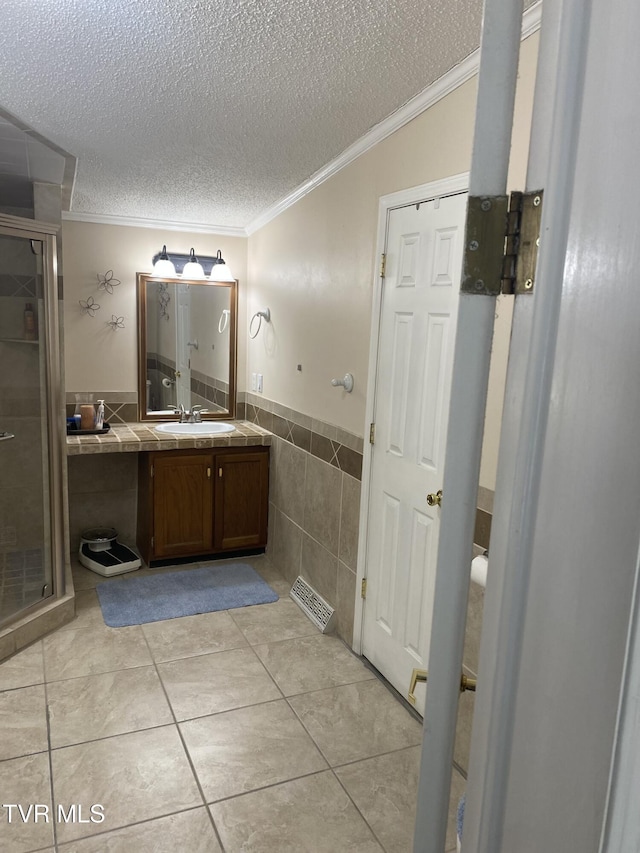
[[451, 185]]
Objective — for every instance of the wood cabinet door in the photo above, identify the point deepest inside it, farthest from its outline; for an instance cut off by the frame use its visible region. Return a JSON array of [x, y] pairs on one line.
[[241, 499], [182, 504]]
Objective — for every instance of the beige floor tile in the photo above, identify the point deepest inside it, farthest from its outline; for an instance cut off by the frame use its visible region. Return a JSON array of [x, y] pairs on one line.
[[243, 750], [310, 815], [267, 623], [311, 663], [208, 684], [191, 832], [112, 703], [25, 781], [23, 722], [135, 777], [88, 611], [84, 578], [356, 721], [270, 573], [23, 669], [88, 651], [193, 635], [385, 790]]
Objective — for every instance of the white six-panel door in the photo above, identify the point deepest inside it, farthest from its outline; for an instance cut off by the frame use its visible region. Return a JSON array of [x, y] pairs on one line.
[[414, 366]]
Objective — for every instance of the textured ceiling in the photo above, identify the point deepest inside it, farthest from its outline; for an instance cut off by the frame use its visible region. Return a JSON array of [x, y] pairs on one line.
[[210, 111]]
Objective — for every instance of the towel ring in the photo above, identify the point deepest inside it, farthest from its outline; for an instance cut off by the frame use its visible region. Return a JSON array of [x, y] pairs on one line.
[[259, 314], [223, 322]]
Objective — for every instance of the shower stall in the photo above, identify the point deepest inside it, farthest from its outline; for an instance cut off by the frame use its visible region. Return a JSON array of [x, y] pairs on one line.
[[32, 550]]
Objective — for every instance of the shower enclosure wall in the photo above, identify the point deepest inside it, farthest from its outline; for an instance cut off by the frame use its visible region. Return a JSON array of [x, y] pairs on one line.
[[32, 553]]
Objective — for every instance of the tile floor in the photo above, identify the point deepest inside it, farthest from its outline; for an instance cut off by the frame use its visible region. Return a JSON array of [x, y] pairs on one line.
[[246, 730]]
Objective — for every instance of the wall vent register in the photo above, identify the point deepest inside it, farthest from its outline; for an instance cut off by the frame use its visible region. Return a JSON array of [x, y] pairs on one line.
[[316, 608]]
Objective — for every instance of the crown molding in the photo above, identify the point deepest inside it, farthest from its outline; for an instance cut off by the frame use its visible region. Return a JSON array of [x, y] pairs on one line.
[[438, 90], [450, 81], [157, 224]]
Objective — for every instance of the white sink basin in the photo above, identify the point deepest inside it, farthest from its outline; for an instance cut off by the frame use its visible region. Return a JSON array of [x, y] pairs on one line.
[[204, 428]]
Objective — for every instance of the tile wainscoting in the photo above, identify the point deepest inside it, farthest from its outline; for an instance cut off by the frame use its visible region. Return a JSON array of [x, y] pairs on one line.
[[314, 502]]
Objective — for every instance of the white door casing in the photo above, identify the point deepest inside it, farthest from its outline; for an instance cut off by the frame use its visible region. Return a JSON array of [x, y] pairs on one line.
[[413, 369], [580, 520]]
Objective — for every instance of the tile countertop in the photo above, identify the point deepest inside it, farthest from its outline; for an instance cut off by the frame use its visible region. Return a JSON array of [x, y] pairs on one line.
[[134, 437]]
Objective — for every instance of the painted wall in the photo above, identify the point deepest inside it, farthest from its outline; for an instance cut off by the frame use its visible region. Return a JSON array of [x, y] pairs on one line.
[[96, 357], [314, 265]]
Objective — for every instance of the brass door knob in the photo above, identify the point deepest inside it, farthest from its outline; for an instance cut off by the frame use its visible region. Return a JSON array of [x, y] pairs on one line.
[[416, 676], [435, 500], [421, 675], [467, 683]]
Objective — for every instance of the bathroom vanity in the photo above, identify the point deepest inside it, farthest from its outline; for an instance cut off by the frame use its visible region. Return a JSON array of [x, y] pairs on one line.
[[202, 501], [185, 496]]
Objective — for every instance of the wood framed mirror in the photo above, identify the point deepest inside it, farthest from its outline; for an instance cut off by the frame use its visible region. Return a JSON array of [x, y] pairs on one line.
[[187, 347]]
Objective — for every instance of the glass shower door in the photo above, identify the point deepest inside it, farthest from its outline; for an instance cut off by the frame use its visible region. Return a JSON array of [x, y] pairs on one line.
[[29, 527]]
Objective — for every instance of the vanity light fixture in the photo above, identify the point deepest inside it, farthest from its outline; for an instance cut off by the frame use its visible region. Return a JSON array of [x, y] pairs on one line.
[[193, 268], [163, 265], [173, 264], [220, 271]]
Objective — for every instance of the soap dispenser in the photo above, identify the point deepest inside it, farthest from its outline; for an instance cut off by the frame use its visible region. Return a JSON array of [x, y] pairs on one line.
[[100, 415]]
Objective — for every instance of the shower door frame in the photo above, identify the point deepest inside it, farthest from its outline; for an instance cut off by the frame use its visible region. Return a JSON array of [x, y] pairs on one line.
[[45, 233]]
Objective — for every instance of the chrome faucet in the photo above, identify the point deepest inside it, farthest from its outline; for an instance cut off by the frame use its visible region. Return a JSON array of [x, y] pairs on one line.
[[195, 414], [189, 417], [181, 412]]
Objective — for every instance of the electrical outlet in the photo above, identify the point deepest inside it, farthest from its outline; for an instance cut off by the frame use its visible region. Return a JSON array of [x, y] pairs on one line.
[[259, 383], [253, 381]]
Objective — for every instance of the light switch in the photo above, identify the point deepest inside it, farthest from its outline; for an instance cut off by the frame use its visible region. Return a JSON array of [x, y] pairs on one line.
[[253, 381], [259, 383]]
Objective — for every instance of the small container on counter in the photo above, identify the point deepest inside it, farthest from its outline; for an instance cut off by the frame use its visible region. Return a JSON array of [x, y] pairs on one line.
[[87, 416], [100, 415]]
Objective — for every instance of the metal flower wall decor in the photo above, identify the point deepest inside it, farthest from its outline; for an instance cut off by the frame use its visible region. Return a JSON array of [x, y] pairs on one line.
[[116, 322], [89, 306], [107, 282]]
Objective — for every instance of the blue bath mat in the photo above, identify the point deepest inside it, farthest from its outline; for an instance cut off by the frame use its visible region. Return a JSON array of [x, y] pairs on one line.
[[135, 601]]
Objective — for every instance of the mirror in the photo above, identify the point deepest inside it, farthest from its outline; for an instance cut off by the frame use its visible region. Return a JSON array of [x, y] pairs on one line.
[[186, 347]]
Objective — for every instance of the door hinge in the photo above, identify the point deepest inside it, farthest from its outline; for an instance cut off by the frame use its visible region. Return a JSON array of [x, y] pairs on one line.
[[383, 265], [372, 434], [522, 241], [152, 472], [363, 588], [501, 243]]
